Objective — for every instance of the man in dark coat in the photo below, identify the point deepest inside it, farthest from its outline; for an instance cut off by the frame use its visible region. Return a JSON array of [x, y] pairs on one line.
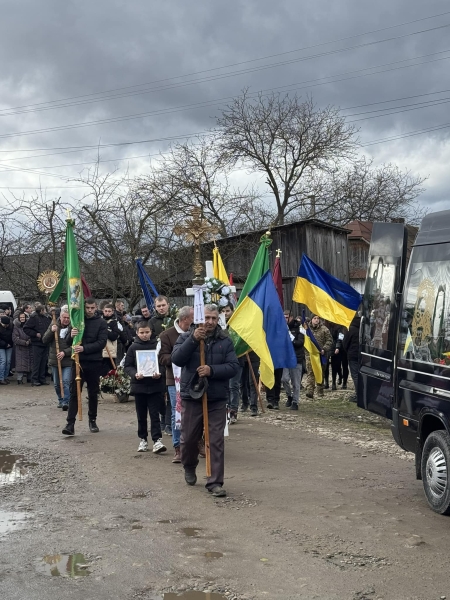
[[90, 351], [161, 312], [221, 365], [6, 348], [350, 343], [35, 327], [292, 378], [63, 331]]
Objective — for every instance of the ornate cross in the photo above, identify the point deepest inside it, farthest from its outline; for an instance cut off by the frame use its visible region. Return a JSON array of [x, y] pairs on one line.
[[196, 230]]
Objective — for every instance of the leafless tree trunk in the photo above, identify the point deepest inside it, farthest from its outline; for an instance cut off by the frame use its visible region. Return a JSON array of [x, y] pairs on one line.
[[286, 140]]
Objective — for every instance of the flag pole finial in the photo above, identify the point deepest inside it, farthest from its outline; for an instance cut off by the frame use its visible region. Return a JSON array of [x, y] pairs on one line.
[[279, 252], [68, 214]]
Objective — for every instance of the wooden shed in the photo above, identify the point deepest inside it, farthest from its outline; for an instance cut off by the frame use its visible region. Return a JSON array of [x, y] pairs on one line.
[[325, 244]]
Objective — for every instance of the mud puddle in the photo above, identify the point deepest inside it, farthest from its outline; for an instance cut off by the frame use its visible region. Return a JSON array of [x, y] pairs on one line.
[[194, 595], [63, 565], [190, 531], [11, 521], [213, 554], [13, 467]]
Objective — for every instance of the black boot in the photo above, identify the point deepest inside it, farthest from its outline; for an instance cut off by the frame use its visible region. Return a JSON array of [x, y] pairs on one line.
[[326, 385], [93, 427], [333, 386], [344, 386], [69, 429], [19, 381], [190, 477], [289, 401]]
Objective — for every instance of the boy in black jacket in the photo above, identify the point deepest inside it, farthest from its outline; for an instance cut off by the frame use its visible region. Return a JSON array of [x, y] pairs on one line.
[[148, 391]]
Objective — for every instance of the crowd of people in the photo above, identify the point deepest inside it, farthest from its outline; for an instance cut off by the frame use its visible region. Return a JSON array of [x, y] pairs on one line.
[[37, 344]]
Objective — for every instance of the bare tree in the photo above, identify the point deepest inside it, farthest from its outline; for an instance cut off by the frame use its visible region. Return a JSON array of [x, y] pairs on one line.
[[195, 174], [286, 140], [364, 192]]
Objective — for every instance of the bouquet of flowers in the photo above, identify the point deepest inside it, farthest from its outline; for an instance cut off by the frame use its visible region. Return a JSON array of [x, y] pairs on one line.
[[218, 292], [116, 382], [446, 360]]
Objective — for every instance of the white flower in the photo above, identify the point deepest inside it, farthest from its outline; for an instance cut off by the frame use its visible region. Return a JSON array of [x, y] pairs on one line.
[[210, 285], [223, 301], [225, 290], [208, 297]]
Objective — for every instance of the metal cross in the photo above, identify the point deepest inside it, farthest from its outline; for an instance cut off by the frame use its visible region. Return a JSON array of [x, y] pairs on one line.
[[196, 230]]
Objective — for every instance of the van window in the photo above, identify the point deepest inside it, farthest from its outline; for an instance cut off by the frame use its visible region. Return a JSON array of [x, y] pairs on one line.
[[379, 302], [425, 319]]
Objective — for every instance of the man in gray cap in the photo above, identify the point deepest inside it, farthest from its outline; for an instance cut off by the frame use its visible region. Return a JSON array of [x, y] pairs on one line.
[[221, 365]]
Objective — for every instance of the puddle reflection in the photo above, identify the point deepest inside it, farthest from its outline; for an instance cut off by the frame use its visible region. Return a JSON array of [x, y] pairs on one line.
[[63, 565], [11, 521], [13, 467]]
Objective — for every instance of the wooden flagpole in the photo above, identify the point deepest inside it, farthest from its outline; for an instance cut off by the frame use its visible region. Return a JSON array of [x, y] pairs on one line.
[[58, 362], [78, 382], [205, 414], [255, 383], [110, 357]]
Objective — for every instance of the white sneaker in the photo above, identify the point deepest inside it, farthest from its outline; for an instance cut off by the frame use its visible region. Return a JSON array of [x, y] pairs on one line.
[[143, 446], [158, 447]]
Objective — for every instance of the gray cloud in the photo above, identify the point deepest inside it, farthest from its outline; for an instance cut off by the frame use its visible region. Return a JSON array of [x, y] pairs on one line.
[[54, 50]]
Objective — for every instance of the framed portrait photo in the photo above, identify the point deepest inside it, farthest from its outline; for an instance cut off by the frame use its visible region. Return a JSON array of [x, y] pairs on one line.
[[147, 362]]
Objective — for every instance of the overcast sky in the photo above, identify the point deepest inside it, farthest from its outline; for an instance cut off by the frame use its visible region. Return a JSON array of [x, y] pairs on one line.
[[53, 50]]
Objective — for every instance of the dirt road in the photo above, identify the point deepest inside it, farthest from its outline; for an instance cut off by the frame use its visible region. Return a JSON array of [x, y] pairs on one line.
[[321, 505]]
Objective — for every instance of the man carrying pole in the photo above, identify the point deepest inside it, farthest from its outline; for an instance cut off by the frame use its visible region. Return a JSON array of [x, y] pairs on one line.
[[208, 361], [205, 380], [59, 339], [88, 338]]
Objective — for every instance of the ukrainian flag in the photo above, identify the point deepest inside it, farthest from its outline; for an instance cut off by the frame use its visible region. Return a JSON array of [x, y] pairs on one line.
[[314, 350], [325, 295], [260, 322]]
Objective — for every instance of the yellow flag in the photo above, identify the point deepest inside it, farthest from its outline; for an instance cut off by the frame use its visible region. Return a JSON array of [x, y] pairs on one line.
[[219, 268]]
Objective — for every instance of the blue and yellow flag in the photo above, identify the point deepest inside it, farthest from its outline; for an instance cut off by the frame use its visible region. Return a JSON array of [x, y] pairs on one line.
[[314, 350], [260, 322], [325, 295]]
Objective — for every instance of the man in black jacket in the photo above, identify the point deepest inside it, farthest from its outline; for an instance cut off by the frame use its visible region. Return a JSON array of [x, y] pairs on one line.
[[294, 376], [221, 365], [90, 351], [35, 327], [350, 343], [161, 312], [110, 350]]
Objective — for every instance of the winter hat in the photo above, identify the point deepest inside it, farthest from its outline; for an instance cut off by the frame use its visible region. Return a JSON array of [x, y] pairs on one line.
[[5, 320]]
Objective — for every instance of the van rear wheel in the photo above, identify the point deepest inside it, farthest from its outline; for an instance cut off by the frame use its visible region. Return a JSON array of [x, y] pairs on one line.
[[435, 471]]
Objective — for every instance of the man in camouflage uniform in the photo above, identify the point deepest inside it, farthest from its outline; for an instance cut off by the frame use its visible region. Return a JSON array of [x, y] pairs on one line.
[[325, 341]]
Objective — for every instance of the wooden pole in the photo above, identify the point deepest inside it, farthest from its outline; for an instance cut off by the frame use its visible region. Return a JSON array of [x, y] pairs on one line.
[[110, 357], [255, 383], [205, 414], [58, 362], [78, 381]]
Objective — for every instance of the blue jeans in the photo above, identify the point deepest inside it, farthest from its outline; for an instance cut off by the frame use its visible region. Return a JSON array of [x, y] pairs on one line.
[[176, 433], [235, 390], [5, 362], [66, 375]]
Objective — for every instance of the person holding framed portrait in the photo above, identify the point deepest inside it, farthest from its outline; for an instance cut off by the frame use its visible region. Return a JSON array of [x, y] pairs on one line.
[[147, 385]]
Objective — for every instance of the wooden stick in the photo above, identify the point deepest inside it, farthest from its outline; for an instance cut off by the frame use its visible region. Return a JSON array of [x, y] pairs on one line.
[[255, 383], [205, 414], [58, 362], [110, 357], [78, 380]]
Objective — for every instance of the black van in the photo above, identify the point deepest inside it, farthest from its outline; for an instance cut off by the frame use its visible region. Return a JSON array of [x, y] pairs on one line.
[[404, 370]]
